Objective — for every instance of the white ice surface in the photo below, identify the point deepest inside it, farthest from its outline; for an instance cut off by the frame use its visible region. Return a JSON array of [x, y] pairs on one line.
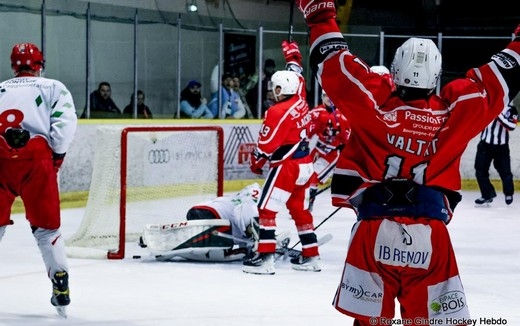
[[146, 292]]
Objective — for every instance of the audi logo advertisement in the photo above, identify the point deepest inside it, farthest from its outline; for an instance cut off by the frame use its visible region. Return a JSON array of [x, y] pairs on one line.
[[159, 156]]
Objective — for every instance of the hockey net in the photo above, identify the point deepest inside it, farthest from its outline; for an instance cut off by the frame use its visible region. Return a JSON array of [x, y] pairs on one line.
[[145, 175]]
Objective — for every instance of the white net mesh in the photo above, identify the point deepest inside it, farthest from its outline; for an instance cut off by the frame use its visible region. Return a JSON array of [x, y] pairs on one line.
[[167, 173]]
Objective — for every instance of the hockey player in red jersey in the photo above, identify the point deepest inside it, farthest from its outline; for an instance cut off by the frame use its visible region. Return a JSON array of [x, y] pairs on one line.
[[37, 125], [283, 141], [400, 169], [331, 129]]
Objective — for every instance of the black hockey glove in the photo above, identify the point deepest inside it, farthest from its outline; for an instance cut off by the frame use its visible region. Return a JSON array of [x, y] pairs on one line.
[[17, 137], [57, 159]]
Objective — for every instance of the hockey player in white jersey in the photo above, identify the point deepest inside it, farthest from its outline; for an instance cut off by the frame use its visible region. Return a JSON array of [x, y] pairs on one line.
[[37, 124], [221, 229]]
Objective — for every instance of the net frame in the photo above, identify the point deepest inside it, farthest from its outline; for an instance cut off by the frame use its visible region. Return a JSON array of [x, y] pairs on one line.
[[120, 254], [86, 251]]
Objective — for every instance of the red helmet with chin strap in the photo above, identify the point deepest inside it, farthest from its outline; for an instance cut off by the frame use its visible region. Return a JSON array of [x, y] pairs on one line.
[[26, 55]]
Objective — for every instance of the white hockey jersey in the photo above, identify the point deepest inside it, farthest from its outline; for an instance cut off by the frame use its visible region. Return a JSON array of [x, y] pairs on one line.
[[41, 106], [238, 209]]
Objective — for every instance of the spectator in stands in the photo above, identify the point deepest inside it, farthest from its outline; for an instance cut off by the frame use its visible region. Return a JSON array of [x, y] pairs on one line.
[[101, 103], [269, 101], [192, 104], [143, 111], [232, 106], [242, 95], [494, 147], [252, 94]]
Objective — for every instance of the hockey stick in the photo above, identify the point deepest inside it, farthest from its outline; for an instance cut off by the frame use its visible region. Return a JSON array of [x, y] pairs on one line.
[[320, 191], [332, 214], [280, 238], [291, 18], [229, 236], [293, 253]]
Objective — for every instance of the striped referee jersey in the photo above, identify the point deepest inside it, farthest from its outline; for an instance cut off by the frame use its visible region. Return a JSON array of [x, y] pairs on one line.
[[497, 132]]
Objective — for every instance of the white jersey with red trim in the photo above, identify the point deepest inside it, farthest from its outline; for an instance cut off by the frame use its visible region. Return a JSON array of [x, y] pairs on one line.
[[238, 209], [34, 104]]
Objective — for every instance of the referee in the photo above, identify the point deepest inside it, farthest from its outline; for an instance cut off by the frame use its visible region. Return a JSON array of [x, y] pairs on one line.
[[494, 147]]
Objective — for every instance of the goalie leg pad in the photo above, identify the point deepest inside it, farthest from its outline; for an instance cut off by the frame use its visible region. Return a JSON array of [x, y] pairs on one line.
[[184, 237], [216, 255]]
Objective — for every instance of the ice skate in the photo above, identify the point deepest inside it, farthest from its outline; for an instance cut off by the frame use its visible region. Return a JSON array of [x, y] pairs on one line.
[[60, 293], [509, 200], [260, 263], [306, 264], [483, 202]]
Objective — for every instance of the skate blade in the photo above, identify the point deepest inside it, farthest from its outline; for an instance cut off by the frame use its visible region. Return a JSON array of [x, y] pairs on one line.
[[258, 270], [485, 205], [62, 311], [307, 269]]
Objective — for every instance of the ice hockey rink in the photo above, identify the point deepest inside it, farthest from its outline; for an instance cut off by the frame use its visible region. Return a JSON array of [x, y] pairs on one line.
[[146, 292]]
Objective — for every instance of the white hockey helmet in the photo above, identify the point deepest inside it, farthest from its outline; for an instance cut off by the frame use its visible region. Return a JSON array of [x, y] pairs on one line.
[[417, 64], [288, 81], [380, 70]]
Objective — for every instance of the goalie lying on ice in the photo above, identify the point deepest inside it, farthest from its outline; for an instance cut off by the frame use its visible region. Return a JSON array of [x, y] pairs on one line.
[[222, 229]]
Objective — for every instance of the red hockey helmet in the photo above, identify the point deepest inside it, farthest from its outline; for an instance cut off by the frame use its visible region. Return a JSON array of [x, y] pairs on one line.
[[26, 55]]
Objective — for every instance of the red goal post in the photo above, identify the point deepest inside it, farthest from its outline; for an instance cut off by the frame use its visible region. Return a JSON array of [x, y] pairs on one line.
[[141, 175]]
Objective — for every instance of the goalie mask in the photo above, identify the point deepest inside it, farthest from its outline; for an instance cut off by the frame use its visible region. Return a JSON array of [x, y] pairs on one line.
[[26, 56], [417, 64]]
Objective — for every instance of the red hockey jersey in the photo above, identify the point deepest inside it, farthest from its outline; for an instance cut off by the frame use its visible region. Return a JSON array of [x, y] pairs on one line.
[[331, 127], [421, 140], [285, 127]]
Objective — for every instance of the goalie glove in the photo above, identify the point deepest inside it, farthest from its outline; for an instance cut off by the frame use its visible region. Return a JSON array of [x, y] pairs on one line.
[[253, 230], [315, 11], [257, 161]]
